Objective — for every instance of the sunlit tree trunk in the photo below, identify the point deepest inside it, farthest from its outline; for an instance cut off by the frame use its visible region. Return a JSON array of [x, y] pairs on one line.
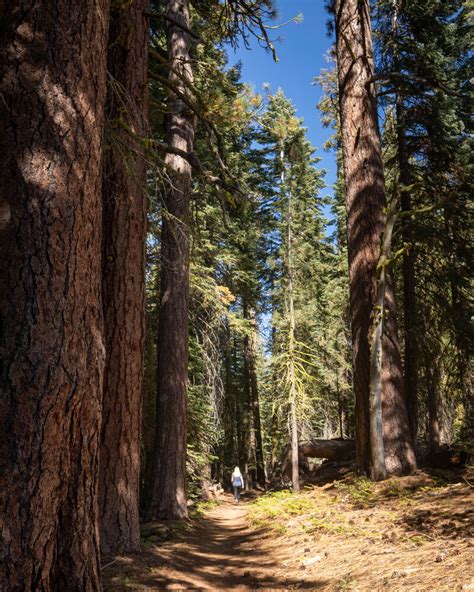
[[365, 202], [168, 496], [124, 233], [257, 424], [295, 478], [52, 88]]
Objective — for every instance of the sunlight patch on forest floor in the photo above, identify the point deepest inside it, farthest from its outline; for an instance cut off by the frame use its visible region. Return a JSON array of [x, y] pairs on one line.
[[412, 534]]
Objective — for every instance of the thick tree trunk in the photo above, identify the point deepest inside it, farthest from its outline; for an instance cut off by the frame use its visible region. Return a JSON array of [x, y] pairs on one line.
[[52, 88], [365, 201], [169, 487], [124, 234]]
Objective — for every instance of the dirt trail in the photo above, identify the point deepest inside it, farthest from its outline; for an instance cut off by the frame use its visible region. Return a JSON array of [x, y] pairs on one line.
[[220, 553], [411, 534]]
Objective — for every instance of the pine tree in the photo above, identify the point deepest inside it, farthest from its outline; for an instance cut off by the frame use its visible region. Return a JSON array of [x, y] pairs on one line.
[[424, 68], [168, 496], [294, 183]]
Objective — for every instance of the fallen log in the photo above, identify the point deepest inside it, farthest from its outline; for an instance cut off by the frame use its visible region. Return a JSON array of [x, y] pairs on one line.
[[445, 457], [335, 450]]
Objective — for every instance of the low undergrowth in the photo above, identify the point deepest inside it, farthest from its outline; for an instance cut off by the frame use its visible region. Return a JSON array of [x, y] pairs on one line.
[[274, 509], [407, 533]]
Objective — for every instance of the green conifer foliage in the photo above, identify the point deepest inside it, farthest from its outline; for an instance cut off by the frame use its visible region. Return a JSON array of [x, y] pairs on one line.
[[424, 70]]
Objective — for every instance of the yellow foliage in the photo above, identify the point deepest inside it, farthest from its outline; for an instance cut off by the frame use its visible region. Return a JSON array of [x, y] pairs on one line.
[[224, 295]]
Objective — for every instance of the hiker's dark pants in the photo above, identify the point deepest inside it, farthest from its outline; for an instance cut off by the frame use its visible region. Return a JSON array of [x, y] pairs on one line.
[[237, 493]]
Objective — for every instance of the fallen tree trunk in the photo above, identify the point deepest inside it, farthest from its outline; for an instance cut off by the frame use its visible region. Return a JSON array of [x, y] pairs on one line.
[[335, 450], [445, 457]]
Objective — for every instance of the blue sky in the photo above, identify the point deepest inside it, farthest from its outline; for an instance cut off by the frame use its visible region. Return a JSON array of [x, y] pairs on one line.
[[301, 57]]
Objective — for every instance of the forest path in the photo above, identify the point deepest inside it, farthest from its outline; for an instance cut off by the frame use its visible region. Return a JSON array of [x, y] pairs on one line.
[[219, 552], [407, 534]]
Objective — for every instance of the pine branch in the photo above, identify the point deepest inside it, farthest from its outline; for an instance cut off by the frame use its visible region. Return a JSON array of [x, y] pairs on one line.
[[411, 78], [174, 22]]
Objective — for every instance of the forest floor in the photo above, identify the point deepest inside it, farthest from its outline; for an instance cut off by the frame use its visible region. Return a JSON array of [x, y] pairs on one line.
[[409, 534]]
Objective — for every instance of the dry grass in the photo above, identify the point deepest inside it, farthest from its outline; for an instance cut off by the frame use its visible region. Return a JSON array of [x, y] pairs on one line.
[[413, 534]]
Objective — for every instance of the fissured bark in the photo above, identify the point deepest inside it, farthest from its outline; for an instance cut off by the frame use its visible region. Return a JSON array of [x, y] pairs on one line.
[[168, 496], [52, 88], [124, 239], [365, 202]]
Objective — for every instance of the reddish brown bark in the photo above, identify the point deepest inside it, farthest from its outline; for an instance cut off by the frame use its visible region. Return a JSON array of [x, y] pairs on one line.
[[365, 201], [168, 497], [124, 229], [52, 87]]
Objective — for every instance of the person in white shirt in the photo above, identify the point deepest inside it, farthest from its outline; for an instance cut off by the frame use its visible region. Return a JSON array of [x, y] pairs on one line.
[[237, 483]]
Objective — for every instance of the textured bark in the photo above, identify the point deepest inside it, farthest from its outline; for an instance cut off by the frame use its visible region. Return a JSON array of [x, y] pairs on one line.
[[52, 87], [124, 233], [169, 487], [365, 201]]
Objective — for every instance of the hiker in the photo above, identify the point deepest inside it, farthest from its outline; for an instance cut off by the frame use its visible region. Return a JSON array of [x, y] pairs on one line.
[[237, 483]]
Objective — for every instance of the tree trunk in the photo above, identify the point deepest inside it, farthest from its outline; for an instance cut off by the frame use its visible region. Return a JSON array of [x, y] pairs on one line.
[[229, 419], [365, 201], [257, 424], [169, 488], [433, 404], [295, 478], [52, 86], [377, 465], [124, 234], [251, 384], [408, 273], [245, 417]]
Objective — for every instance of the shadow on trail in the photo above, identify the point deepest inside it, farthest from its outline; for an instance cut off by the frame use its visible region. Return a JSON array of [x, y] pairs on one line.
[[218, 553]]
